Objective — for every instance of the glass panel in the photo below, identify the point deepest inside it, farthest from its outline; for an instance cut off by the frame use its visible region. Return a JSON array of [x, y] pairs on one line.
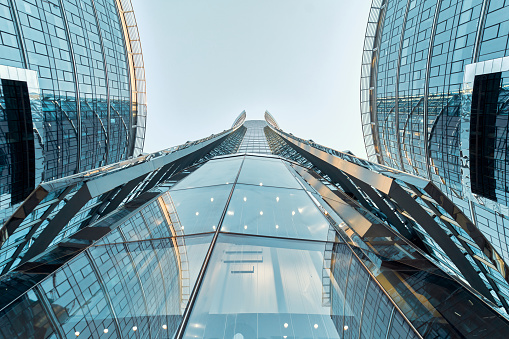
[[266, 172], [199, 209], [78, 300], [401, 329], [25, 318], [274, 211], [376, 313], [143, 285], [264, 288], [215, 172]]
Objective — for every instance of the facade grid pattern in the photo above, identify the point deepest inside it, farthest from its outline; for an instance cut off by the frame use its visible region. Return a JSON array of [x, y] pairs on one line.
[[416, 99]]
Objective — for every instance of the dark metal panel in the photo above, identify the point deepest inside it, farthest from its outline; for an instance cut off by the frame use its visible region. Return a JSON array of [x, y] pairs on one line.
[[122, 194], [57, 224], [22, 212], [389, 213], [34, 229], [393, 190], [91, 233], [441, 238]]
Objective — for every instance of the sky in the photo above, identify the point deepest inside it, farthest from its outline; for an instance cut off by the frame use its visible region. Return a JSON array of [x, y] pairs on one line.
[[208, 60]]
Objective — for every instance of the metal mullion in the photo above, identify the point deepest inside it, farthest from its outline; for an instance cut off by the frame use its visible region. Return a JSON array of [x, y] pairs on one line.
[[426, 88], [163, 238], [100, 280], [480, 26], [128, 252], [155, 253], [199, 279], [396, 92], [76, 85], [346, 288], [390, 324], [19, 32], [101, 42], [362, 309], [48, 310]]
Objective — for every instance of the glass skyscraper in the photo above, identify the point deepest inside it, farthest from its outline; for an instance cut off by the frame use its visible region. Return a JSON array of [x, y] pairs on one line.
[[434, 101], [249, 233], [72, 91]]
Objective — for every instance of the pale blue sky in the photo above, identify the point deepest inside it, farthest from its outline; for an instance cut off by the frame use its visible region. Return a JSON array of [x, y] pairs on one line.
[[207, 60]]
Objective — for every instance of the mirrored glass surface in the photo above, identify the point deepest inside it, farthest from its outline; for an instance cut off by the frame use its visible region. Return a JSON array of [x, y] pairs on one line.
[[199, 209], [132, 290], [25, 318], [262, 288], [273, 211], [274, 288], [266, 172], [215, 172]]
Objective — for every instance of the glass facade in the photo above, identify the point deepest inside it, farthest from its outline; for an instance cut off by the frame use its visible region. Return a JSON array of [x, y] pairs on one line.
[[84, 107], [280, 238], [426, 109]]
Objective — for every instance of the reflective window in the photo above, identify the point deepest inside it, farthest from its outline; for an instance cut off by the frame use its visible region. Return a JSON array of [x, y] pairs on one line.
[[119, 287], [274, 211], [215, 172], [199, 209], [266, 172], [263, 288], [25, 318], [267, 288]]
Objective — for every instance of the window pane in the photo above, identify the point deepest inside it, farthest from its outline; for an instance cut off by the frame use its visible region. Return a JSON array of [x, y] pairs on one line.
[[215, 172], [199, 209], [264, 288], [274, 211], [266, 172]]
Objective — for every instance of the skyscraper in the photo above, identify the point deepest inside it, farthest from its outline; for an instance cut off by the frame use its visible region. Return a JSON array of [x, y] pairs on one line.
[[72, 91], [434, 101], [252, 232]]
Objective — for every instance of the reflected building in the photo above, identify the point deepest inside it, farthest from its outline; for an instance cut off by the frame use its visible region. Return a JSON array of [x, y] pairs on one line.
[[434, 93], [72, 91], [252, 232]]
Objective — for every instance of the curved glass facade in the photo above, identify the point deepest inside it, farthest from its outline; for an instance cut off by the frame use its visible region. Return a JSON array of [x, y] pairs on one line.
[[255, 233], [80, 68], [426, 109]]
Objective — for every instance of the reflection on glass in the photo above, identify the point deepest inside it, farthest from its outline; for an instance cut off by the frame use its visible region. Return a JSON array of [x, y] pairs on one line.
[[274, 211], [140, 287], [262, 288], [25, 318], [215, 172], [267, 288], [266, 172], [199, 209]]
